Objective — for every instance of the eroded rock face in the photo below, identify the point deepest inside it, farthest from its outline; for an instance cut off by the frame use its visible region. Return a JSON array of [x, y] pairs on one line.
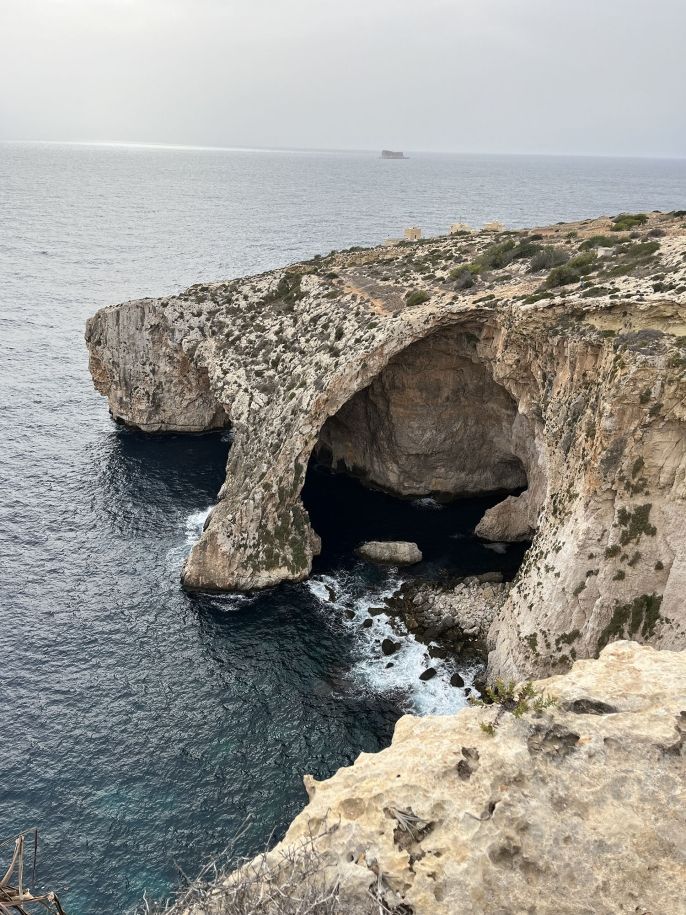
[[152, 382], [579, 394], [434, 421], [508, 521], [575, 809]]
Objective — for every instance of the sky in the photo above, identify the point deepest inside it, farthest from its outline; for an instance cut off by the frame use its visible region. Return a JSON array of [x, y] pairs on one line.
[[590, 77]]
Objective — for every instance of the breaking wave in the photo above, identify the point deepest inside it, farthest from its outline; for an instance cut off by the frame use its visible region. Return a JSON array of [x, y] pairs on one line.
[[363, 609]]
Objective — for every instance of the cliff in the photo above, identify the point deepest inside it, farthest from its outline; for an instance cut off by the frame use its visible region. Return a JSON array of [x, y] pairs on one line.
[[566, 803], [552, 359]]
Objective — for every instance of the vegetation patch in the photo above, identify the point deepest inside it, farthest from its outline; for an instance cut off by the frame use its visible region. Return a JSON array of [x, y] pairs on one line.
[[572, 271], [627, 221], [548, 257], [517, 700], [635, 523], [417, 297], [641, 615], [599, 241]]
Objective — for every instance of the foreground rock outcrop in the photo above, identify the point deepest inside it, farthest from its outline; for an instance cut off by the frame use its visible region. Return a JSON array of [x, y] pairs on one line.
[[456, 366], [575, 809]]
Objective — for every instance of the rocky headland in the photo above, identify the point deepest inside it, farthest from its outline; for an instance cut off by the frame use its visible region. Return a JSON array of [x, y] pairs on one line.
[[563, 797], [549, 365]]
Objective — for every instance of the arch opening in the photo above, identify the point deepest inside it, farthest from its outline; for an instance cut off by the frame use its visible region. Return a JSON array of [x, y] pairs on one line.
[[434, 426], [433, 422]]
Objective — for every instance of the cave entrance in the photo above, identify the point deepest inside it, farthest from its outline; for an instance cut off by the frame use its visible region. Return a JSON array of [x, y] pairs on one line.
[[420, 454]]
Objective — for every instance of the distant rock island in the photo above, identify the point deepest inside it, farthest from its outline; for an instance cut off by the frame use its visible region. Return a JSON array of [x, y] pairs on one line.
[[393, 154]]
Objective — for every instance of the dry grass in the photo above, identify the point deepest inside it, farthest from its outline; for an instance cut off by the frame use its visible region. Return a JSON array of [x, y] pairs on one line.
[[292, 881]]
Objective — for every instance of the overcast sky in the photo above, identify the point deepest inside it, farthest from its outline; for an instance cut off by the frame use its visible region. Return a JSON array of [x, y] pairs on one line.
[[560, 76]]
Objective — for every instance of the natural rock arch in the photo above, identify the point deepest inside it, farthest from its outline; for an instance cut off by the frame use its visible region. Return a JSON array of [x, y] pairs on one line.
[[598, 429]]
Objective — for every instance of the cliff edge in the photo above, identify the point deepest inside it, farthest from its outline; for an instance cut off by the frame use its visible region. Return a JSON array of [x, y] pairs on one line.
[[572, 809]]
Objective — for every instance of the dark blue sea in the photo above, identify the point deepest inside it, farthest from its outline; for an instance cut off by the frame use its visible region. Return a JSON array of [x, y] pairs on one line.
[[143, 727]]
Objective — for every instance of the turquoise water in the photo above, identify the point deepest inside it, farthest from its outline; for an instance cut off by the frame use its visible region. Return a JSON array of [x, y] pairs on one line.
[[142, 726]]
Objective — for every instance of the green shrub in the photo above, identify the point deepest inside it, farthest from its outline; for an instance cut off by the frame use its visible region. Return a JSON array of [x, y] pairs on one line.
[[640, 250], [526, 248], [627, 221], [548, 257], [572, 271], [417, 297], [464, 279], [497, 256], [599, 241], [473, 269]]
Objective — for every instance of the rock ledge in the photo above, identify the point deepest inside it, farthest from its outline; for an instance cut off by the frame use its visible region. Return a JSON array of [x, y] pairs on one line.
[[575, 810]]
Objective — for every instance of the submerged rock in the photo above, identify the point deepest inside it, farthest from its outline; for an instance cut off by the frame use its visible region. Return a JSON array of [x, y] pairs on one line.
[[391, 552], [428, 674], [568, 810]]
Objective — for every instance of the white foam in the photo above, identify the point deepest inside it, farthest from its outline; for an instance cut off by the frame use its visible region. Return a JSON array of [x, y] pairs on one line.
[[370, 671], [195, 523]]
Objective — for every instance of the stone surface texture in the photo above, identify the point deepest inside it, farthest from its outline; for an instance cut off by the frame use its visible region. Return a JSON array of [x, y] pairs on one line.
[[387, 362], [575, 810], [394, 552], [453, 614]]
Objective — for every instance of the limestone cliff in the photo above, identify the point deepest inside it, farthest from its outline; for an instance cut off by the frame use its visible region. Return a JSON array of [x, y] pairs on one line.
[[574, 809], [463, 364]]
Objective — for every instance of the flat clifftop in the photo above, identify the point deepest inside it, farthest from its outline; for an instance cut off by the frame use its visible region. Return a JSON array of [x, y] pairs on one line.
[[567, 802], [552, 359]]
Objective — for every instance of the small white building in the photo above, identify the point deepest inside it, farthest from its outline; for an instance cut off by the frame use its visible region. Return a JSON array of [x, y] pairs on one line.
[[413, 233], [494, 226]]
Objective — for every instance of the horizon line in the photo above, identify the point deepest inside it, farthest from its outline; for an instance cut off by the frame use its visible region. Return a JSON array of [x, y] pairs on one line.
[[126, 144]]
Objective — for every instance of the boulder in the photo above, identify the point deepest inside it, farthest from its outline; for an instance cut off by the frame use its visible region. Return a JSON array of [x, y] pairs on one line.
[[391, 552], [428, 674], [507, 521]]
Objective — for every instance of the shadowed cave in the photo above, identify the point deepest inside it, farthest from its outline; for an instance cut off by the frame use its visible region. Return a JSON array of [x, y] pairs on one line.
[[435, 423]]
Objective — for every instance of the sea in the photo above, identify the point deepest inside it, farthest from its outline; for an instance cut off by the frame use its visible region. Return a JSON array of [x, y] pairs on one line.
[[143, 729]]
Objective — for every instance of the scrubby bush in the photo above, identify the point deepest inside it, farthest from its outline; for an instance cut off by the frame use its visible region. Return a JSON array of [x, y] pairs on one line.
[[599, 241], [572, 271], [464, 279], [641, 250], [497, 256], [548, 257], [525, 248], [293, 881], [417, 297], [472, 269], [627, 221]]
